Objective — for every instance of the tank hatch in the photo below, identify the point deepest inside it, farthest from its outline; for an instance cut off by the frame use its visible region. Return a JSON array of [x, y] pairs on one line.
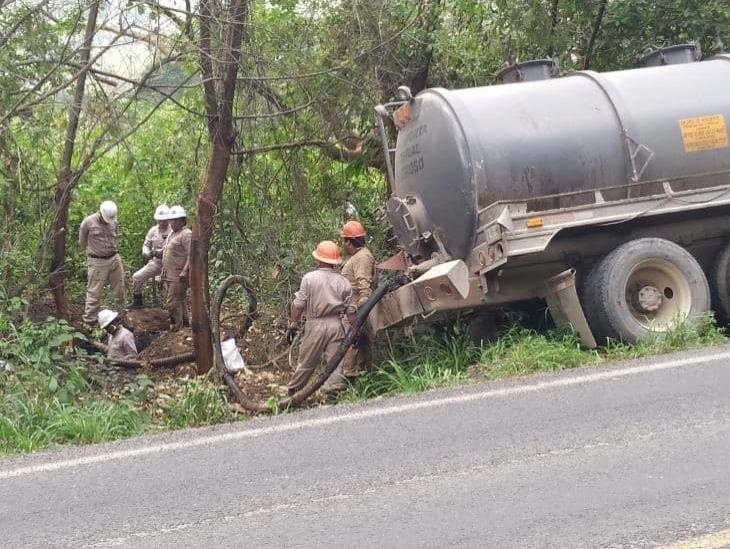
[[529, 71], [672, 55]]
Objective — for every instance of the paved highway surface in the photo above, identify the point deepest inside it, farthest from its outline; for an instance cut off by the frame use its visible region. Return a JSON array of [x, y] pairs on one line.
[[630, 455]]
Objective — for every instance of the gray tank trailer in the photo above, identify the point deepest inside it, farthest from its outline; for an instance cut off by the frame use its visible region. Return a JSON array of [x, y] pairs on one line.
[[606, 194]]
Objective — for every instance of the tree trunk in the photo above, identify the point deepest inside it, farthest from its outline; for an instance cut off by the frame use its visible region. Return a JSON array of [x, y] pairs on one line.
[[218, 160], [66, 179], [219, 109]]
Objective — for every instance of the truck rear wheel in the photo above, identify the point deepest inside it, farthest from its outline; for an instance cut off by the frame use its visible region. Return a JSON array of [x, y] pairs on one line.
[[720, 282], [646, 285]]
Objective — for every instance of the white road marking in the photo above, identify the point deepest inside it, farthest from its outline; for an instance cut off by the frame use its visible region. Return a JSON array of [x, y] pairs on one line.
[[716, 540], [359, 415]]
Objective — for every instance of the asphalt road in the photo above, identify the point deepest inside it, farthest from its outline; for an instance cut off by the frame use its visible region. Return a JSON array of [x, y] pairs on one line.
[[632, 455]]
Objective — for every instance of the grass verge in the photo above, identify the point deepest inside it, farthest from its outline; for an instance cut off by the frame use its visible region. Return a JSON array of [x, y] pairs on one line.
[[451, 359], [46, 398]]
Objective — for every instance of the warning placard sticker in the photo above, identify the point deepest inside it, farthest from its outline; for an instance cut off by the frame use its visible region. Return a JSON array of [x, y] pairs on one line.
[[704, 133]]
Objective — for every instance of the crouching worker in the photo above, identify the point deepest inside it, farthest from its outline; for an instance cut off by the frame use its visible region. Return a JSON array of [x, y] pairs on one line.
[[154, 242], [324, 295], [121, 344]]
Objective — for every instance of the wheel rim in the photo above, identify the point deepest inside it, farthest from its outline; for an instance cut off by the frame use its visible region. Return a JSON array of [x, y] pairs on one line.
[[658, 294]]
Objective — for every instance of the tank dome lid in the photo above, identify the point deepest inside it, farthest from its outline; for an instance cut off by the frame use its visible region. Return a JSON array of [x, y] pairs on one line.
[[672, 55], [529, 71]]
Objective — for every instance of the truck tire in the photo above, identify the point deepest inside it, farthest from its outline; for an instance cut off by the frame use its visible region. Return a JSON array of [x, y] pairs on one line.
[[643, 286], [720, 285]]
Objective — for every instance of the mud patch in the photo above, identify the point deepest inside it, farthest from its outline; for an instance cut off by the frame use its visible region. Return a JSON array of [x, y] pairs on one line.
[[147, 325], [40, 308], [148, 321]]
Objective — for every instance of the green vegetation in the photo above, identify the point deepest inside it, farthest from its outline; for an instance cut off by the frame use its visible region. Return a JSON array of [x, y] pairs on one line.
[[45, 398], [200, 402], [305, 142], [452, 359], [49, 398]]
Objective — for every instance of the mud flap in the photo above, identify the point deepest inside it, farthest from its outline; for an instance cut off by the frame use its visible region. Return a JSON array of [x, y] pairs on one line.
[[565, 307]]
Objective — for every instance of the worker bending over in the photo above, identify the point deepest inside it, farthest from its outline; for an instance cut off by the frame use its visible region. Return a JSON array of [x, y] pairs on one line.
[[324, 295], [152, 247], [176, 267], [98, 238], [120, 345], [359, 270]]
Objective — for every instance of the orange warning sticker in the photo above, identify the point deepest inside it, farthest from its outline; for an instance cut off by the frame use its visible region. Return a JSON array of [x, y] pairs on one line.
[[704, 133]]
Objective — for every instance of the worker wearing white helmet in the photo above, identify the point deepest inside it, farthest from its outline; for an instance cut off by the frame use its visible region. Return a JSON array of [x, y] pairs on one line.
[[152, 247], [98, 237], [176, 267], [120, 345]]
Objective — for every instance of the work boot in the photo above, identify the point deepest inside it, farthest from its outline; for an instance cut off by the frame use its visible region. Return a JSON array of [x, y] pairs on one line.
[[137, 302]]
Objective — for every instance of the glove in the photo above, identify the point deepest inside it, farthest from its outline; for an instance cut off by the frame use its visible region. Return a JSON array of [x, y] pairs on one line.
[[291, 333], [147, 256], [157, 254]]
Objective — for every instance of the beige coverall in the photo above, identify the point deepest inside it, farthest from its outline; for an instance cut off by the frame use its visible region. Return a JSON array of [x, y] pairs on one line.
[[359, 271], [155, 242], [103, 264], [121, 345], [174, 257], [324, 294]]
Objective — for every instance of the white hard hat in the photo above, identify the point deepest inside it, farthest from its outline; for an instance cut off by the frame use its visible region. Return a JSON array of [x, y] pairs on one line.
[[106, 317], [176, 212], [161, 212], [108, 211]]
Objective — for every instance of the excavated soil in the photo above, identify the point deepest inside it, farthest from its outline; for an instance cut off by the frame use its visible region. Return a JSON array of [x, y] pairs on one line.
[[269, 360], [262, 346]]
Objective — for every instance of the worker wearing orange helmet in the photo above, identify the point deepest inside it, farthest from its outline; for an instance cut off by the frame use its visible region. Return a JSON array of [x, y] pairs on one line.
[[324, 295], [359, 270]]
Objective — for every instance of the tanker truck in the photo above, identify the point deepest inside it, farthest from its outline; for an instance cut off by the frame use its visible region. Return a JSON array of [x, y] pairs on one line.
[[606, 194]]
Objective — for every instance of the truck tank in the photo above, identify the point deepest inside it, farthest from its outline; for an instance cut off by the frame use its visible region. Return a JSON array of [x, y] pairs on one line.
[[459, 151]]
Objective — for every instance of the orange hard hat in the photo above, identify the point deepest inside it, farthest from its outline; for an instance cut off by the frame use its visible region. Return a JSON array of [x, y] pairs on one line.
[[327, 252], [353, 229]]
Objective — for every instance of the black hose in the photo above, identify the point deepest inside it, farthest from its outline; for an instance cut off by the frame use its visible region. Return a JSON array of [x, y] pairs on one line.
[[215, 320], [156, 363], [305, 392]]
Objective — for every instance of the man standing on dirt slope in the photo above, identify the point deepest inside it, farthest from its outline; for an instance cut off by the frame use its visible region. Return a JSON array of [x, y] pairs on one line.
[[176, 267], [324, 295], [359, 270], [152, 247], [98, 237], [121, 345]]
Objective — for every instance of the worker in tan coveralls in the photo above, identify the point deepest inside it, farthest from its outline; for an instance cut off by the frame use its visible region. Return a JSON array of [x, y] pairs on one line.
[[98, 237], [176, 267], [152, 247], [121, 345], [359, 270], [324, 295]]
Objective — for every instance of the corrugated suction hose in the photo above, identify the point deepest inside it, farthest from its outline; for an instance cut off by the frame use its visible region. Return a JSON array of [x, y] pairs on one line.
[[305, 392]]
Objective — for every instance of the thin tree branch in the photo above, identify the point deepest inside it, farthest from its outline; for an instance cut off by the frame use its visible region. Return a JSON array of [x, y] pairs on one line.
[[6, 37], [333, 149], [594, 34], [206, 66], [22, 107], [554, 7]]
